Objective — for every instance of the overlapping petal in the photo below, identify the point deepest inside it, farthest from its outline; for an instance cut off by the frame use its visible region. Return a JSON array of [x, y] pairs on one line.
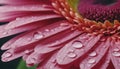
[[54, 36]]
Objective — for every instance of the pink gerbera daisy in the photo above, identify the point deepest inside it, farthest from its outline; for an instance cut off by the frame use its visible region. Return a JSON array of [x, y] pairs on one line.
[[62, 34]]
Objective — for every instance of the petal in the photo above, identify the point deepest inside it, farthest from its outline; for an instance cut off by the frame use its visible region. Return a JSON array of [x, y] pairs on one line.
[[50, 44], [59, 39], [7, 44], [4, 32], [51, 64], [76, 48], [40, 33], [16, 53], [96, 54], [37, 7], [9, 16], [23, 2], [27, 20], [104, 62], [10, 55], [41, 55], [115, 54]]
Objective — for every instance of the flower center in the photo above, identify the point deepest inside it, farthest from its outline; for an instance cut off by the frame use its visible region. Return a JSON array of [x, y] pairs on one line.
[[100, 10], [96, 10], [105, 2]]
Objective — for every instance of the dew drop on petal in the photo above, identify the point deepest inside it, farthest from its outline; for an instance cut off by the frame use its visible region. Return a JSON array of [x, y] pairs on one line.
[[89, 65], [82, 66], [77, 44], [32, 60], [38, 36], [52, 30], [116, 49], [71, 50], [116, 54], [17, 18], [29, 39], [44, 5], [64, 24], [91, 61], [5, 33], [72, 55], [7, 55], [53, 61], [93, 54], [27, 51], [47, 30]]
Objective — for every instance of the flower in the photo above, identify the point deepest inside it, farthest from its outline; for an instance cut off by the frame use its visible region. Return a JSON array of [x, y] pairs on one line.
[[62, 34]]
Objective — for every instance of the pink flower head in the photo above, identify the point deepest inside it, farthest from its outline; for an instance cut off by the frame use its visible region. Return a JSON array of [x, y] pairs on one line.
[[56, 34]]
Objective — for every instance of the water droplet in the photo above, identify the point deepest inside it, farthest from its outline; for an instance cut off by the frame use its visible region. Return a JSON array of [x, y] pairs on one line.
[[29, 39], [91, 61], [17, 18], [83, 37], [38, 36], [27, 51], [64, 24], [32, 60], [116, 54], [77, 44], [52, 30], [8, 54], [89, 65], [53, 61], [82, 66], [5, 33], [72, 55], [47, 30], [116, 49], [93, 54], [71, 50], [44, 5]]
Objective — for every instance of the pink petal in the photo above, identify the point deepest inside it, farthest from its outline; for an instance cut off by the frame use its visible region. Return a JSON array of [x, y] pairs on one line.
[[115, 54], [104, 62], [40, 33], [14, 53], [41, 55], [25, 56], [7, 44], [37, 7], [27, 20], [6, 32], [75, 49], [58, 39], [50, 64], [23, 2], [96, 54], [10, 16], [6, 17], [50, 44], [18, 30], [10, 55]]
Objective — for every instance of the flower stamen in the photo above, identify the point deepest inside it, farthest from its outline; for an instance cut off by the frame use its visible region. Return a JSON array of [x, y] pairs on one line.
[[63, 8]]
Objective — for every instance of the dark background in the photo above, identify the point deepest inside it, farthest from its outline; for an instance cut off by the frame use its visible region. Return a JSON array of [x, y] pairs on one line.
[[7, 65]]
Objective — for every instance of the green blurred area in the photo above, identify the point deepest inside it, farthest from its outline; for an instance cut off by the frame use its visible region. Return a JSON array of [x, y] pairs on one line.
[[22, 65], [74, 4]]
